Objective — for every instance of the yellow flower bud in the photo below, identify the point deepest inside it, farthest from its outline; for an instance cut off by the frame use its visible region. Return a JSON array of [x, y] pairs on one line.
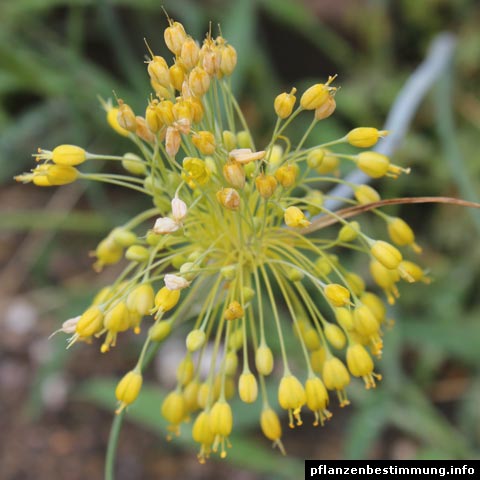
[[160, 330], [90, 323], [360, 364], [234, 174], [141, 299], [311, 338], [128, 389], [174, 410], [195, 340], [317, 399], [158, 71], [314, 201], [204, 141], [271, 427], [294, 217], [365, 322], [112, 119], [412, 272], [185, 370], [264, 360], [284, 103], [385, 278], [315, 96], [233, 311], [117, 318], [349, 232], [190, 53], [354, 282], [365, 137], [68, 155], [286, 175], [229, 140], [247, 387], [190, 394], [317, 359], [323, 265], [266, 185], [401, 233], [202, 434], [334, 335], [164, 110], [125, 117], [221, 424], [329, 164], [228, 60], [366, 194], [107, 252], [134, 164], [375, 304], [235, 341], [344, 317], [386, 254], [174, 36], [373, 164], [337, 295], [291, 397], [315, 157], [326, 109], [244, 140], [137, 253], [177, 75], [197, 170], [166, 299], [229, 198], [274, 156], [61, 174], [199, 81], [152, 119], [335, 377]]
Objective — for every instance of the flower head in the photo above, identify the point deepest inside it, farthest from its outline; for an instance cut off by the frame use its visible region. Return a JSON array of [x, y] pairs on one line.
[[235, 247]]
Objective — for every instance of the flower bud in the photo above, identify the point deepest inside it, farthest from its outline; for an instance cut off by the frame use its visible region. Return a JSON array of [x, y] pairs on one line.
[[266, 185], [158, 71], [137, 253], [117, 318], [128, 389], [349, 232], [365, 137], [134, 164], [61, 174], [228, 60], [185, 370], [364, 321], [205, 142], [126, 118], [401, 233], [233, 311], [229, 140], [374, 164], [112, 119], [195, 340], [315, 96], [175, 36], [90, 323], [68, 155], [326, 109], [295, 218], [244, 139], [190, 53], [291, 397], [160, 330], [199, 81], [360, 364], [315, 157], [247, 387], [166, 299], [234, 174], [286, 175], [386, 254], [335, 377], [345, 318], [264, 360], [164, 110], [284, 103], [337, 295], [271, 427], [334, 335], [366, 194], [317, 399], [229, 198], [174, 410]]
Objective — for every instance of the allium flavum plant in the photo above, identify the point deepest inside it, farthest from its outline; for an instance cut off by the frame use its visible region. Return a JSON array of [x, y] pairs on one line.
[[228, 230]]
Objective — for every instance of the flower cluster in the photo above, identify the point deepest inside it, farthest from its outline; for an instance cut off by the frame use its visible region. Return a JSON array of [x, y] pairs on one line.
[[229, 255]]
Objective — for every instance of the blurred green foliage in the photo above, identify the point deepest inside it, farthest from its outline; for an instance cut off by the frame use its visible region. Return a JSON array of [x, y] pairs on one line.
[[57, 55]]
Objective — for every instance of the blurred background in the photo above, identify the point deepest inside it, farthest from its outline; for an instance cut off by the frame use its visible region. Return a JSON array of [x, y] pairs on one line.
[[56, 56]]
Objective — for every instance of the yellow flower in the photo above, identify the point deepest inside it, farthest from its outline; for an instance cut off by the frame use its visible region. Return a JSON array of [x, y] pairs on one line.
[[294, 217]]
